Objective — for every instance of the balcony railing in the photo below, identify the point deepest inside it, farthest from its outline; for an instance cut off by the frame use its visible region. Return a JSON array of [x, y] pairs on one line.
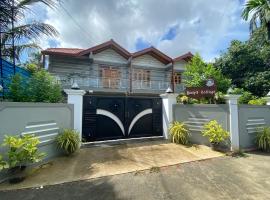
[[115, 84]]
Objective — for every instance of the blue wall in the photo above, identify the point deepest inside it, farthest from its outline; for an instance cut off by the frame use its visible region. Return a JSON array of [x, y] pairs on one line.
[[8, 72]]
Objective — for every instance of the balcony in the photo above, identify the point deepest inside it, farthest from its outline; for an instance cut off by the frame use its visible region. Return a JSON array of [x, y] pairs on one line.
[[116, 85]]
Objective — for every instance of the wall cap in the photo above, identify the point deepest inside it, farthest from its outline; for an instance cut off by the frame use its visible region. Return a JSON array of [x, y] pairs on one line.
[[168, 95], [74, 92], [232, 96]]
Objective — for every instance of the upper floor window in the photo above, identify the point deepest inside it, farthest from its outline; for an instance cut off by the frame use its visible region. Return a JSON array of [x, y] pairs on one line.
[[142, 77], [177, 77], [110, 77]]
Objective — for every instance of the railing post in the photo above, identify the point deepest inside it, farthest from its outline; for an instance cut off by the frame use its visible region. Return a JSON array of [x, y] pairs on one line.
[[232, 100], [75, 97], [168, 100]]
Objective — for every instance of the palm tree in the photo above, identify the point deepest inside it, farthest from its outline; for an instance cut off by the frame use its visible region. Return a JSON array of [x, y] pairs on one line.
[[259, 11], [24, 34]]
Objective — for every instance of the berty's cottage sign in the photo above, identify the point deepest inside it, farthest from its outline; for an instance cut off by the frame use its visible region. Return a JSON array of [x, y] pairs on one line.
[[208, 90]]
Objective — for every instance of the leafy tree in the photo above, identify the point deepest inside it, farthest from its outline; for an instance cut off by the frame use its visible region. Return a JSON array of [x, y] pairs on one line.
[[17, 90], [247, 64], [34, 63], [197, 72], [41, 87], [259, 13], [24, 33]]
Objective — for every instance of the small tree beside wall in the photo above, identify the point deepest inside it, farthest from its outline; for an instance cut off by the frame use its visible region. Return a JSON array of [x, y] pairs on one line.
[[41, 87]]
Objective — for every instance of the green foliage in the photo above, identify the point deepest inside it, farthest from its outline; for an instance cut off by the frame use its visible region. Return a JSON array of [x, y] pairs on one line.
[[259, 101], [245, 95], [31, 67], [69, 141], [215, 133], [44, 88], [182, 98], [179, 133], [3, 164], [219, 98], [248, 64], [22, 150], [41, 87], [263, 139], [17, 89], [197, 72], [258, 13]]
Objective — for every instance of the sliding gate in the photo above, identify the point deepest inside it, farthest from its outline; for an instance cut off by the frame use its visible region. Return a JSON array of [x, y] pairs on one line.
[[108, 118]]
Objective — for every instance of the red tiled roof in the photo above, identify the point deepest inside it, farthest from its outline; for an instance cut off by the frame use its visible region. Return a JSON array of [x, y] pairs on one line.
[[112, 44], [62, 51], [155, 53], [185, 57], [109, 44]]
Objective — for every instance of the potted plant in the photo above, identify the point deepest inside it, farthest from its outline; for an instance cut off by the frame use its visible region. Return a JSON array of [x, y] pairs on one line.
[[22, 151], [179, 133], [69, 141], [216, 135]]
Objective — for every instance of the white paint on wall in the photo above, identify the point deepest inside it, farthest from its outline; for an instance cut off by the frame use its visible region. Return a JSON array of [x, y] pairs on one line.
[[113, 117], [138, 116]]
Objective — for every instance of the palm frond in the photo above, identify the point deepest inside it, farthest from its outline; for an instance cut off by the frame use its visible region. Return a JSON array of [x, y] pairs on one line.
[[31, 31], [26, 3]]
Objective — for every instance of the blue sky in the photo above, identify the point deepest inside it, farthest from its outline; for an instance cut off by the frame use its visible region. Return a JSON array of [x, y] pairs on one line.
[[175, 27]]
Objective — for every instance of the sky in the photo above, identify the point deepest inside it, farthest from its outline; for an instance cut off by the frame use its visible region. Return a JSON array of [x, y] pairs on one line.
[[173, 26]]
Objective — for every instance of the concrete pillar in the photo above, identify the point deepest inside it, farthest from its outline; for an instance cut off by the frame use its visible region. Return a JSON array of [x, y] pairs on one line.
[[75, 97], [232, 100], [267, 98], [168, 99]]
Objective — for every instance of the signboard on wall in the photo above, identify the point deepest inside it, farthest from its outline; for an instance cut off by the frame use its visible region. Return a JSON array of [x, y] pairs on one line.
[[208, 90]]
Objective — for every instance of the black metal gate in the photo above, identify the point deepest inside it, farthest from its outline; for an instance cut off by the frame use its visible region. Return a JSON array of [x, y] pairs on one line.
[[108, 118]]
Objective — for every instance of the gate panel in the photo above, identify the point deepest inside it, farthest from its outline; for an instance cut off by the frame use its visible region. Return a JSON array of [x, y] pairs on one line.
[[106, 118]]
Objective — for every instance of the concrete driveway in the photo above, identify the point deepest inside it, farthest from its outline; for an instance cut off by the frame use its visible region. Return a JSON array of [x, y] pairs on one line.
[[219, 178], [106, 160]]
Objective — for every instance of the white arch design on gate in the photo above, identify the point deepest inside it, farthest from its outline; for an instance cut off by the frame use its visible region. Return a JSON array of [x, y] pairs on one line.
[[138, 116], [113, 117]]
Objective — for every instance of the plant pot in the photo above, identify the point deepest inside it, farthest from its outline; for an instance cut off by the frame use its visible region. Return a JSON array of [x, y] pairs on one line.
[[17, 174]]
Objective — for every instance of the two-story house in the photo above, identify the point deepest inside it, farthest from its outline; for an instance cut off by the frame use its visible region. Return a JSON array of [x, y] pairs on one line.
[[124, 100], [108, 68]]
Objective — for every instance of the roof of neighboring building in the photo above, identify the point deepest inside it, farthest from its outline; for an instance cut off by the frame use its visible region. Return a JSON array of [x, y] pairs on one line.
[[119, 49], [185, 57], [155, 53]]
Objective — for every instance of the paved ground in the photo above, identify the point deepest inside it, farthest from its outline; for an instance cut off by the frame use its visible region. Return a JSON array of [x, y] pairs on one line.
[[218, 178], [108, 160]]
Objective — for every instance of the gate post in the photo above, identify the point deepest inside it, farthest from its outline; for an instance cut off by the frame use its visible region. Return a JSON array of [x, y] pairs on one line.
[[75, 97], [232, 100], [168, 99], [267, 98]]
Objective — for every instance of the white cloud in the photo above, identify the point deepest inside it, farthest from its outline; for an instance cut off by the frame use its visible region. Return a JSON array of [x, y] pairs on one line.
[[203, 24]]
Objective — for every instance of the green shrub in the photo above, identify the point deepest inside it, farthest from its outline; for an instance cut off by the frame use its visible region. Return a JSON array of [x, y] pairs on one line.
[[17, 89], [245, 95], [179, 133], [3, 164], [41, 87], [215, 133], [22, 150], [219, 98], [259, 101], [69, 141], [31, 67], [263, 139]]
